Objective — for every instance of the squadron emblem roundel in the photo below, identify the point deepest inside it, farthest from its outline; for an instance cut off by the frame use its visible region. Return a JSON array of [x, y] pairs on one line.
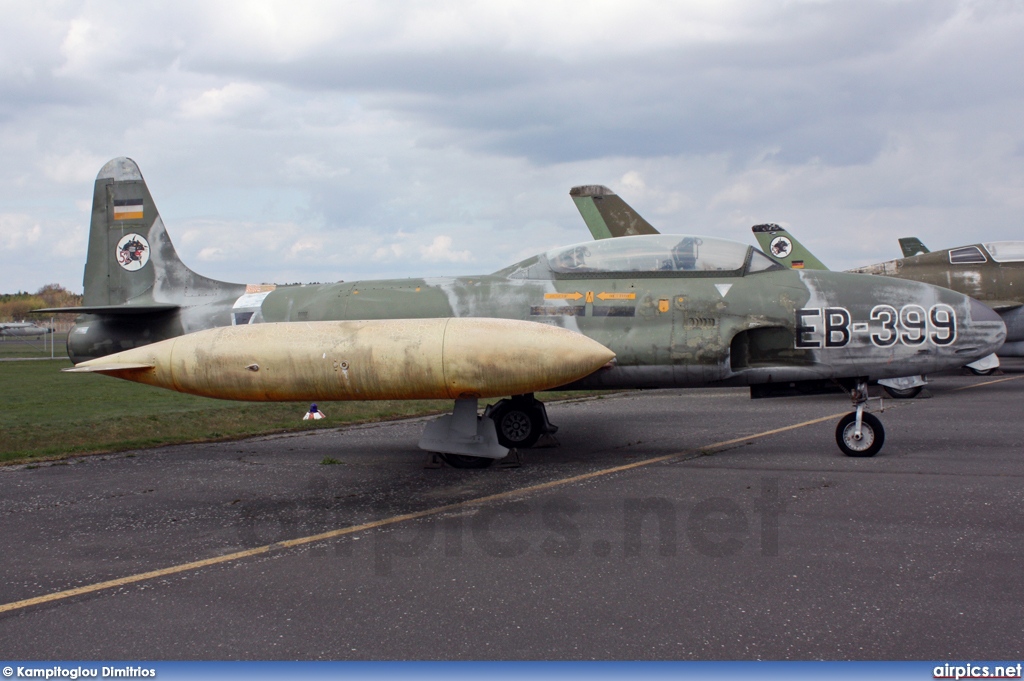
[[781, 247], [132, 252]]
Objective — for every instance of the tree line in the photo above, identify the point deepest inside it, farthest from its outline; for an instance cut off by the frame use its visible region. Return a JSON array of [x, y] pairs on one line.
[[14, 307]]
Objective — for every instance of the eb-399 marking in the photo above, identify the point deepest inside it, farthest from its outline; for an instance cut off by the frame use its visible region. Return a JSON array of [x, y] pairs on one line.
[[833, 327]]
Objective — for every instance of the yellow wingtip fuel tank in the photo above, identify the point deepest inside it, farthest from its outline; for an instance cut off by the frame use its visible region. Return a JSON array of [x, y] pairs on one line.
[[384, 359]]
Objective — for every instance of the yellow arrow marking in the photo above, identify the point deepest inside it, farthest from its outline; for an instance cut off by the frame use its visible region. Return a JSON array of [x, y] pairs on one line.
[[576, 295], [616, 296]]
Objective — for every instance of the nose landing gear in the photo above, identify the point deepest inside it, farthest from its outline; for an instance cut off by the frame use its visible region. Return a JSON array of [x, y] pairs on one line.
[[860, 433]]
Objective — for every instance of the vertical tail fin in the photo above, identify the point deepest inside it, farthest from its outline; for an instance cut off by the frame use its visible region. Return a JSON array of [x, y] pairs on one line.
[[131, 259], [912, 246], [606, 214], [782, 246]]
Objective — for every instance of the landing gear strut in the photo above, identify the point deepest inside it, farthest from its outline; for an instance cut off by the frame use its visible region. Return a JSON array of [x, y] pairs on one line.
[[860, 433], [464, 440], [520, 421]]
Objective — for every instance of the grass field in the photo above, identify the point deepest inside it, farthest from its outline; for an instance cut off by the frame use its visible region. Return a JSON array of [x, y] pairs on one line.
[[48, 414]]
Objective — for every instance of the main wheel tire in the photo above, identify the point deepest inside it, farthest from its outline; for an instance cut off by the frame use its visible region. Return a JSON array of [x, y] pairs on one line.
[[464, 461], [982, 372], [519, 424], [903, 393], [872, 435]]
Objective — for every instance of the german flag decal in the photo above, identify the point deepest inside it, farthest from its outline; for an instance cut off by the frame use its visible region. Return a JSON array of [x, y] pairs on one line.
[[128, 209], [798, 264]]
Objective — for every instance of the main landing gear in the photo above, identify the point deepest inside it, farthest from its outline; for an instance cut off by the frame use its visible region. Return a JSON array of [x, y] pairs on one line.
[[860, 433], [905, 388], [520, 421], [986, 366], [464, 440]]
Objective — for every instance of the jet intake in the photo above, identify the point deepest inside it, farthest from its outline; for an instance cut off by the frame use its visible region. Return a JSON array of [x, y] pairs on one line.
[[448, 358]]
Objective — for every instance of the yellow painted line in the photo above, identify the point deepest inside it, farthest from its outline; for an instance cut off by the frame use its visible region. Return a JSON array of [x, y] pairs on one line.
[[978, 385], [766, 433], [230, 557], [563, 296], [616, 296]]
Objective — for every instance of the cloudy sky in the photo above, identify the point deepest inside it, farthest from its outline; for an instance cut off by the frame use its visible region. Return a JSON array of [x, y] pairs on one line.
[[316, 141]]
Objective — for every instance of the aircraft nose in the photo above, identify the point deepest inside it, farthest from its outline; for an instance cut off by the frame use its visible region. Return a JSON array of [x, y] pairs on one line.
[[983, 313], [986, 330]]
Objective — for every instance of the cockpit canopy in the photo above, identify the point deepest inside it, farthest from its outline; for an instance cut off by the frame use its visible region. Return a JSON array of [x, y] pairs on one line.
[[654, 255], [1006, 251]]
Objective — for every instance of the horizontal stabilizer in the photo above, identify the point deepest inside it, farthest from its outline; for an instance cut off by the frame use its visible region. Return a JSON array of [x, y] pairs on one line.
[[111, 309], [109, 367], [1002, 305]]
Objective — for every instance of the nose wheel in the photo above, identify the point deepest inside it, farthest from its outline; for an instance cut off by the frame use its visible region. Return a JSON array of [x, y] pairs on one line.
[[860, 433], [870, 440]]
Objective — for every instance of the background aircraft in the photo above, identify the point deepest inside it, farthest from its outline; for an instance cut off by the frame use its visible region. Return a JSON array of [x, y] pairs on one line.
[[673, 311], [608, 216], [23, 329]]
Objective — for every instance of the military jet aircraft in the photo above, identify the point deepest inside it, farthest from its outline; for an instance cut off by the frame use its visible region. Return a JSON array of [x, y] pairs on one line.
[[990, 272], [23, 329], [644, 311]]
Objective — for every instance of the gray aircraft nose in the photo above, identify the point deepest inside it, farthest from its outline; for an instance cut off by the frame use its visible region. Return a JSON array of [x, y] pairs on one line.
[[986, 329], [983, 313]]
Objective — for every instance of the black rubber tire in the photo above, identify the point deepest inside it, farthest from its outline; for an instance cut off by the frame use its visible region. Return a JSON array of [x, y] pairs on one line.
[[519, 424], [464, 461], [872, 435], [905, 393], [982, 372]]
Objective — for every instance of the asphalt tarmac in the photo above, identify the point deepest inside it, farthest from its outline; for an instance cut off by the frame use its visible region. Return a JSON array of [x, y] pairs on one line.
[[668, 525]]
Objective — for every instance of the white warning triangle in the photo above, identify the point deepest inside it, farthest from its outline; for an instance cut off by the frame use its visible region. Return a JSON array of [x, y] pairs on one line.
[[723, 288]]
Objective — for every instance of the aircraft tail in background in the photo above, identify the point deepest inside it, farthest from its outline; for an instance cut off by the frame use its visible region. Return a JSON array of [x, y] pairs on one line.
[[781, 245], [911, 246], [606, 214]]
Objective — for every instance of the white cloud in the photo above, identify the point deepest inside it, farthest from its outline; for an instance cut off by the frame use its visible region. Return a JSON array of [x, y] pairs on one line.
[[316, 141], [440, 250], [230, 100], [75, 168], [18, 232], [80, 45]]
